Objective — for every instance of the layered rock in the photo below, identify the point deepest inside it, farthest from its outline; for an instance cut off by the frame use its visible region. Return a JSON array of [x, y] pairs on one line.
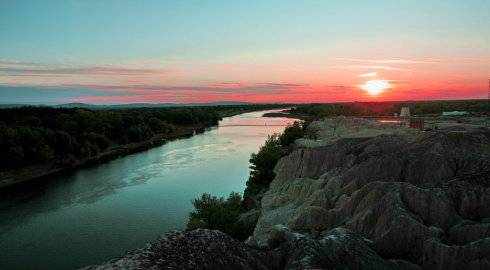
[[417, 197]]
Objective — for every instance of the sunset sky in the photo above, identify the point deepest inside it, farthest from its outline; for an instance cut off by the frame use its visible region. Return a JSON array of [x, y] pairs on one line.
[[256, 51]]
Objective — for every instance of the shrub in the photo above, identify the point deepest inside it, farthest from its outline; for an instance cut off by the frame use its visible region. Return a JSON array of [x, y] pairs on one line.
[[263, 162], [291, 134], [218, 213]]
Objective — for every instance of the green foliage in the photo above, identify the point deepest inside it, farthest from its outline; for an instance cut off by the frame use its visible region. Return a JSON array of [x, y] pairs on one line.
[[211, 212], [437, 107], [291, 133], [44, 135], [263, 162], [328, 110], [389, 108]]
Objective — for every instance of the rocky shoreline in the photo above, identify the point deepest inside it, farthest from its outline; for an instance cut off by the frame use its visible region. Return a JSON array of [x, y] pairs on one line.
[[356, 194]]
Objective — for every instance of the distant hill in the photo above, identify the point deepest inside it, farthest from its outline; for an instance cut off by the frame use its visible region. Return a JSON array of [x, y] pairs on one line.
[[128, 106]]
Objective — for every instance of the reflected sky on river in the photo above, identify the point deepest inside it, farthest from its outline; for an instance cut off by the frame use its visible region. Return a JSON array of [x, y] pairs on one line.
[[103, 211]]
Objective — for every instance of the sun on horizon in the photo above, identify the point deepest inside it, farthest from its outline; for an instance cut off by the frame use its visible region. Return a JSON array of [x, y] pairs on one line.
[[376, 87]]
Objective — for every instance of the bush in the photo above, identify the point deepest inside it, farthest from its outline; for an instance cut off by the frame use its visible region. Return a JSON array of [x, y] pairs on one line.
[[211, 212], [291, 134], [264, 161]]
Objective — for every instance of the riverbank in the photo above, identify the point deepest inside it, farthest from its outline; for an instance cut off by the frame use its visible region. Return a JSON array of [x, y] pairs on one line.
[[41, 172], [16, 176]]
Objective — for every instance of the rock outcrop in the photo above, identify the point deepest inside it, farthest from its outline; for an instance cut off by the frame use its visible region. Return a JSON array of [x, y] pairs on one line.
[[198, 249], [418, 197], [338, 248]]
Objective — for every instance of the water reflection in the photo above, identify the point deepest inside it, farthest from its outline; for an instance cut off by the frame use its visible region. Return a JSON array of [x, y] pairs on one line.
[[101, 212]]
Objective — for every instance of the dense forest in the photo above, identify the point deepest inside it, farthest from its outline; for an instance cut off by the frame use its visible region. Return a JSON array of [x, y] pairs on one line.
[[476, 107], [64, 136]]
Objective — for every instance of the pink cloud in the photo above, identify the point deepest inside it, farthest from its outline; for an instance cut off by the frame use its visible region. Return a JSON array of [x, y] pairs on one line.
[[391, 61], [369, 74]]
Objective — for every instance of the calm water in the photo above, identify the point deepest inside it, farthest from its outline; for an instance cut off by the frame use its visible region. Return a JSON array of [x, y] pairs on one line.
[[101, 212]]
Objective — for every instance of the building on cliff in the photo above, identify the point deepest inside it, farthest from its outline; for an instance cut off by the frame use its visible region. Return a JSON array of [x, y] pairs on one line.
[[405, 112]]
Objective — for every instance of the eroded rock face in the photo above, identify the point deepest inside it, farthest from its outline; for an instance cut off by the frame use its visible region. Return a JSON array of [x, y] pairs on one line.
[[417, 198], [475, 255], [338, 248]]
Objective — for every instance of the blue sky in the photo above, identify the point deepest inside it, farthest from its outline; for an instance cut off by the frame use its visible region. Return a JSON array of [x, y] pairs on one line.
[[289, 42]]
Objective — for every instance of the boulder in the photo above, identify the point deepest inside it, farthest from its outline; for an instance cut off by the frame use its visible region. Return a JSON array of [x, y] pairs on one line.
[[198, 249]]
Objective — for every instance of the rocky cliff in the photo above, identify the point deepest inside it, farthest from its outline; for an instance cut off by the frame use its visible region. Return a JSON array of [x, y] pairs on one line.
[[389, 199]]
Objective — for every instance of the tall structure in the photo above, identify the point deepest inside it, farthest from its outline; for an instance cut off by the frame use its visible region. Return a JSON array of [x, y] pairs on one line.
[[405, 112]]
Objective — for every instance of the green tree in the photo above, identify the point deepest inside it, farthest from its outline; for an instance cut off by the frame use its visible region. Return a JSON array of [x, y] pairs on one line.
[[291, 134]]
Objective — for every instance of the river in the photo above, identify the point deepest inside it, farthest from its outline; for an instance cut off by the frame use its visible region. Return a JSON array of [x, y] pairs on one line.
[[102, 212]]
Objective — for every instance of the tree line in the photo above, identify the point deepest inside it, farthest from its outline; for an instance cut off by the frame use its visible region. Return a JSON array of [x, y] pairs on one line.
[[475, 107], [44, 135]]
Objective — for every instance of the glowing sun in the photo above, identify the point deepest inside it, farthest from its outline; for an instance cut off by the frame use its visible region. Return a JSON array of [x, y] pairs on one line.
[[375, 87]]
